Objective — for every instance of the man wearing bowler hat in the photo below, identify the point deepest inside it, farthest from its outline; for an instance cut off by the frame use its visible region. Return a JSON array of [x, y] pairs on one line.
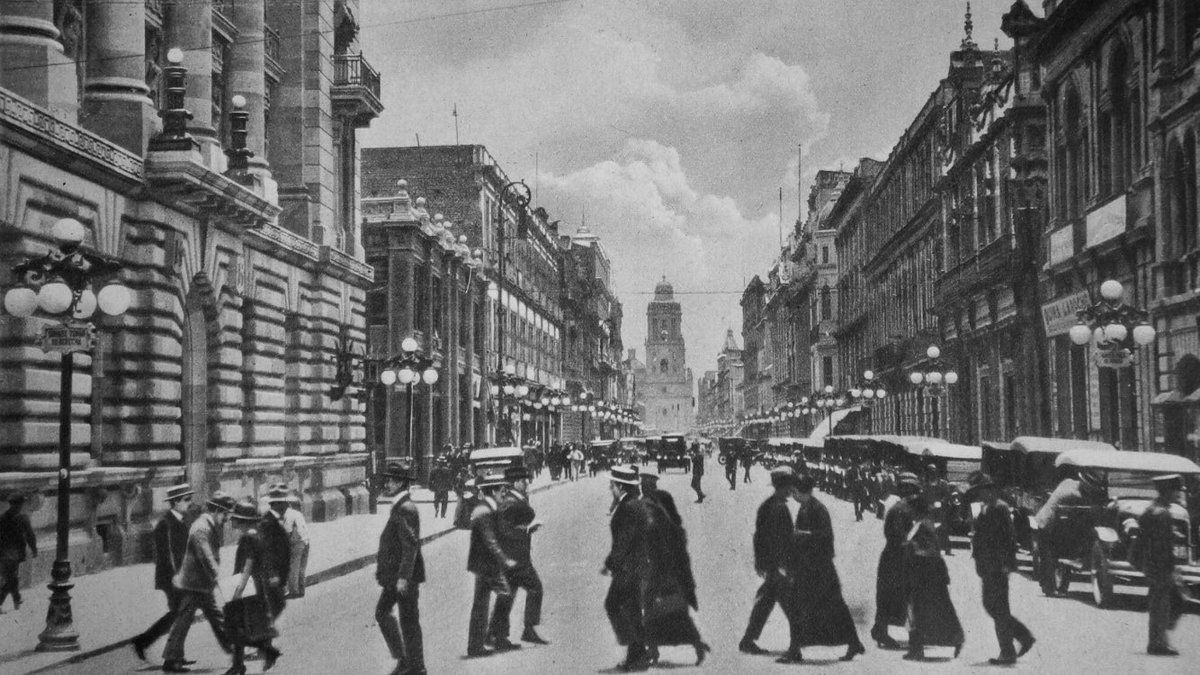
[[1156, 557], [170, 542], [515, 525], [995, 550], [197, 581], [16, 533], [400, 571]]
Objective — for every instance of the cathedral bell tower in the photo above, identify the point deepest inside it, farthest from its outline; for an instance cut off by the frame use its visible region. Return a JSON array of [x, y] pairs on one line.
[[668, 386]]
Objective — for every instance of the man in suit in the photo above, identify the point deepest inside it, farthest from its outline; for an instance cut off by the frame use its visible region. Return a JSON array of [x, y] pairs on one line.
[[515, 524], [697, 460], [627, 562], [651, 491], [196, 581], [488, 561], [1156, 556], [297, 528], [277, 542], [400, 571], [16, 534], [170, 542], [995, 551], [772, 540], [441, 479]]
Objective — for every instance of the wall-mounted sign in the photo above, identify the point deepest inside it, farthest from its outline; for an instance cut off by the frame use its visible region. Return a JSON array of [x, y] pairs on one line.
[[67, 338], [1062, 245], [1112, 358], [1058, 316], [1106, 222]]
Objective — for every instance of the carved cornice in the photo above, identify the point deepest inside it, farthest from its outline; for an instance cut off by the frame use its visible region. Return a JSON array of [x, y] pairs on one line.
[[341, 266], [181, 179], [64, 144], [285, 244]]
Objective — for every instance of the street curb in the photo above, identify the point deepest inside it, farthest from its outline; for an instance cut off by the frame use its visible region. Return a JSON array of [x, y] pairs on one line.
[[339, 570]]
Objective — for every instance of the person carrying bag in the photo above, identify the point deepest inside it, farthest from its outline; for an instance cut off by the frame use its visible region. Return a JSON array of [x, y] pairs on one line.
[[249, 616]]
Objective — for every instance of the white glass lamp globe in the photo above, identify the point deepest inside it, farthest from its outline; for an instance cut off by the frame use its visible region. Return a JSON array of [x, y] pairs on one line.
[[1143, 334], [915, 377], [69, 231], [409, 344], [1116, 332], [493, 291], [933, 377], [841, 402], [1099, 335], [522, 390], [829, 389], [554, 400], [387, 377], [55, 297], [238, 101], [430, 376], [508, 389], [566, 400], [880, 393], [406, 375], [175, 56], [951, 377], [114, 299], [868, 393], [868, 374], [495, 390], [855, 392], [591, 408], [933, 352], [1112, 290], [21, 302], [1080, 334], [85, 306], [544, 400], [510, 369]]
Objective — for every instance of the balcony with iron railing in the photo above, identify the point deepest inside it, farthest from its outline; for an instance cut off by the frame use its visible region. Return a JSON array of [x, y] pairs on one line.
[[272, 49], [356, 89], [987, 266]]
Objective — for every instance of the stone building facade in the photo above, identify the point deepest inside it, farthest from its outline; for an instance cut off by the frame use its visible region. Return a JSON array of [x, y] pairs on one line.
[[845, 219], [667, 390], [525, 314], [231, 368]]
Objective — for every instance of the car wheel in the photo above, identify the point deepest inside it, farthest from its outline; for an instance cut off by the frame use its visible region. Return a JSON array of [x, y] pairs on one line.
[[1102, 583], [1061, 578]]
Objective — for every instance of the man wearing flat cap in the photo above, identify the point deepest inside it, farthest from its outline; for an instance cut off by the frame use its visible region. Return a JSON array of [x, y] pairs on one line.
[[994, 548], [400, 571], [197, 581], [891, 605], [773, 528], [170, 543], [1155, 553], [627, 562], [16, 534], [515, 524]]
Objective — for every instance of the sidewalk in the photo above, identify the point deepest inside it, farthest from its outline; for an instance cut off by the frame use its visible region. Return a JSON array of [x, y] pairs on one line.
[[112, 606]]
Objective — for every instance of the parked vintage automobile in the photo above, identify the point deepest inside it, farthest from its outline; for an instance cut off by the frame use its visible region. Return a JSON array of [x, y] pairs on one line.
[[1096, 542], [671, 452], [636, 446], [1026, 473], [493, 460], [954, 463]]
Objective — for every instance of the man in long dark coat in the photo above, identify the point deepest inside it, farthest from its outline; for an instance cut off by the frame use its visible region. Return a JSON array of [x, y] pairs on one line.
[[16, 534], [488, 561], [170, 542], [515, 524], [277, 543], [772, 544], [1157, 560], [819, 612], [697, 460], [441, 480], [995, 551], [731, 465], [650, 490], [627, 563], [890, 603], [668, 587], [400, 571]]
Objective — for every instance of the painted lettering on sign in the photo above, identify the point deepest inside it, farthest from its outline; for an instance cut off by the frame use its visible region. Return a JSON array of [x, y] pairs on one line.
[[1058, 316]]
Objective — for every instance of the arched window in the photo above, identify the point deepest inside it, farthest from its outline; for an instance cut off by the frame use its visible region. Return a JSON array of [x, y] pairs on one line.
[[1119, 146], [663, 366]]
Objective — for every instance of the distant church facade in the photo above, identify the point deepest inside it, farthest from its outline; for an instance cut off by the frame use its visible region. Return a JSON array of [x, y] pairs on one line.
[[666, 386]]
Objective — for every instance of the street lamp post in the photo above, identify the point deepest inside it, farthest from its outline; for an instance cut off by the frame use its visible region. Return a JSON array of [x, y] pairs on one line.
[[410, 368], [509, 389], [934, 381], [60, 285], [1114, 327]]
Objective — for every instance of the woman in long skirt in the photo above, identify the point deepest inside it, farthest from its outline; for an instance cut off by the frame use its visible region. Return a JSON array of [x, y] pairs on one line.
[[251, 620], [669, 588], [933, 622]]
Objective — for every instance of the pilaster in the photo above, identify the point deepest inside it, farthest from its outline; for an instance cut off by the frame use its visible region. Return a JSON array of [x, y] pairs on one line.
[[32, 60]]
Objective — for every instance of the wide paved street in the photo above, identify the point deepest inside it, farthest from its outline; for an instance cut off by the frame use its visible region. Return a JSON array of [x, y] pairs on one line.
[[333, 630]]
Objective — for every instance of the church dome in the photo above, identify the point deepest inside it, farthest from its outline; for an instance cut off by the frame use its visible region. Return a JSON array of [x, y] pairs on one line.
[[663, 291]]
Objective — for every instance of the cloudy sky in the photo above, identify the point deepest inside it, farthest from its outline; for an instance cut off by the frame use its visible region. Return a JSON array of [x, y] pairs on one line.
[[671, 123]]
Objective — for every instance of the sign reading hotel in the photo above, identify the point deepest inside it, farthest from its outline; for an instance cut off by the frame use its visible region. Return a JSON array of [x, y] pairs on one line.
[[1060, 315], [1106, 222]]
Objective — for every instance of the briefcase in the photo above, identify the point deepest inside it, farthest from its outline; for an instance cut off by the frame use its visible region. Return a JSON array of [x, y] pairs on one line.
[[248, 620]]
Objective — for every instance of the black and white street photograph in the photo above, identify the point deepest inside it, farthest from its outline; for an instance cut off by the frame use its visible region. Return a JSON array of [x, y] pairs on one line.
[[580, 337]]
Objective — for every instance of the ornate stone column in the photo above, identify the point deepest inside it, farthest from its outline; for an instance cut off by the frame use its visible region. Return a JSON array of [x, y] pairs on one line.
[[115, 101], [32, 60], [188, 25], [247, 63]]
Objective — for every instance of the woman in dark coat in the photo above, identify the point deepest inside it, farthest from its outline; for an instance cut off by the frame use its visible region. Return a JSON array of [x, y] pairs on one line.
[[820, 615], [932, 618], [891, 603], [251, 620], [670, 587]]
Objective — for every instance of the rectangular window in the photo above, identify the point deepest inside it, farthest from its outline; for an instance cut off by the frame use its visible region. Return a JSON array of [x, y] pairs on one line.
[[1010, 407], [827, 368]]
